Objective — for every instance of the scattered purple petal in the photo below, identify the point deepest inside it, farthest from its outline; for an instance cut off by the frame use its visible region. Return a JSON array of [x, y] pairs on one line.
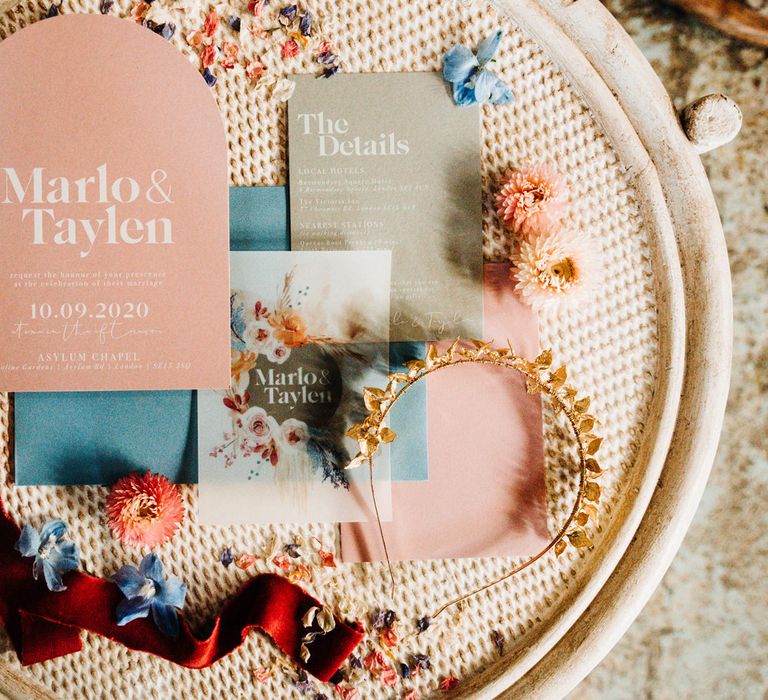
[[292, 550], [331, 71], [235, 22], [303, 684], [226, 557], [383, 619], [210, 78], [423, 623], [326, 58], [405, 670], [355, 662], [289, 12], [305, 24], [53, 11], [106, 6], [421, 662], [498, 641]]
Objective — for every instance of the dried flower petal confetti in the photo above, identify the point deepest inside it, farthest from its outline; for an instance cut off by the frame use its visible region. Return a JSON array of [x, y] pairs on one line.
[[235, 23], [208, 56], [226, 557], [388, 676], [261, 675], [346, 693], [498, 641], [448, 683], [211, 23], [254, 70], [282, 562], [300, 573], [423, 623], [289, 49], [210, 78], [289, 12], [246, 561], [389, 638], [229, 54], [195, 39]]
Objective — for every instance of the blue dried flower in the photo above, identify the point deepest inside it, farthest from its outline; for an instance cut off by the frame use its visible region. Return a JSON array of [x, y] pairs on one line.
[[305, 24], [146, 590], [326, 58], [289, 12], [405, 670], [106, 6], [210, 78], [53, 11], [423, 623], [469, 76], [236, 23], [53, 554]]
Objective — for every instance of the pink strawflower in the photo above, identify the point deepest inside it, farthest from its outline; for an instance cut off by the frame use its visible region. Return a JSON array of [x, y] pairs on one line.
[[289, 49], [555, 268], [144, 510], [531, 199], [324, 47], [211, 23]]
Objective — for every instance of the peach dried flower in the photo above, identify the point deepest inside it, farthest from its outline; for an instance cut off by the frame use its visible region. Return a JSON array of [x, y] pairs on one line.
[[555, 268], [531, 199]]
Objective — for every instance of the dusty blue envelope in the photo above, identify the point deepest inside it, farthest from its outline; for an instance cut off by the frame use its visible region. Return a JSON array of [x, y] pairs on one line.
[[96, 437]]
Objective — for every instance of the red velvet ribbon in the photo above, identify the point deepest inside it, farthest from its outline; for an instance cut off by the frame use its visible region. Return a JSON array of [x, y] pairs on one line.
[[44, 625]]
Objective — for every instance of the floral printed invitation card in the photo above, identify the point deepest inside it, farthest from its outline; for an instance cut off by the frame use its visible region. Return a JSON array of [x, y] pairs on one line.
[[309, 330]]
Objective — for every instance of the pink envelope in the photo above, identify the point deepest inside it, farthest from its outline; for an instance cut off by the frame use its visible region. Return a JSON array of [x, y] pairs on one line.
[[486, 490]]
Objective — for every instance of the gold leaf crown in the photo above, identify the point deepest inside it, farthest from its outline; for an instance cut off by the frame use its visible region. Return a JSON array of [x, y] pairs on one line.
[[540, 378]]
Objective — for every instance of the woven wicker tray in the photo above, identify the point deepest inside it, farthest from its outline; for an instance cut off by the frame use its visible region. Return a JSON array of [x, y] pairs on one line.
[[653, 352]]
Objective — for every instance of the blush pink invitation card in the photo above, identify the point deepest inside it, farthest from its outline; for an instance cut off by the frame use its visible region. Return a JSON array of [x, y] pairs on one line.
[[113, 213], [486, 491]]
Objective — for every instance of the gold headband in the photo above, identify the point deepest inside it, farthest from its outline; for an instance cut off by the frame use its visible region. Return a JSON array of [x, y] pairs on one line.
[[540, 379]]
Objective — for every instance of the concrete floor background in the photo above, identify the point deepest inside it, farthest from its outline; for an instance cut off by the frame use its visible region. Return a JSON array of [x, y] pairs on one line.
[[704, 634]]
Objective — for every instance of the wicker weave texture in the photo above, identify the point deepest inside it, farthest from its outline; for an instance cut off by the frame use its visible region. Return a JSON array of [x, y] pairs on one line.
[[610, 348]]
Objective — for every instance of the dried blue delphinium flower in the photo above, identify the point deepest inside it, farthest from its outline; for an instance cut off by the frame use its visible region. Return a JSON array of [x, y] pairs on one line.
[[146, 591], [53, 554], [470, 77]]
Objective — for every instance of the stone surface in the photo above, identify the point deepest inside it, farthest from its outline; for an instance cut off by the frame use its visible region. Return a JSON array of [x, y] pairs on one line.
[[704, 634]]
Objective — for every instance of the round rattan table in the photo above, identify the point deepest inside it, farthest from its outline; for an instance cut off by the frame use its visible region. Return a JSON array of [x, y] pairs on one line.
[[653, 352]]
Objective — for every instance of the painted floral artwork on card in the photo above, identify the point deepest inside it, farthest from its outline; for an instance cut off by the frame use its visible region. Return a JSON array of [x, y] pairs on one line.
[[307, 331]]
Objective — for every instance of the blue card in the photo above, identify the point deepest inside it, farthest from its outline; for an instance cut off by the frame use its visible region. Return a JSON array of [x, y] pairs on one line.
[[96, 437]]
